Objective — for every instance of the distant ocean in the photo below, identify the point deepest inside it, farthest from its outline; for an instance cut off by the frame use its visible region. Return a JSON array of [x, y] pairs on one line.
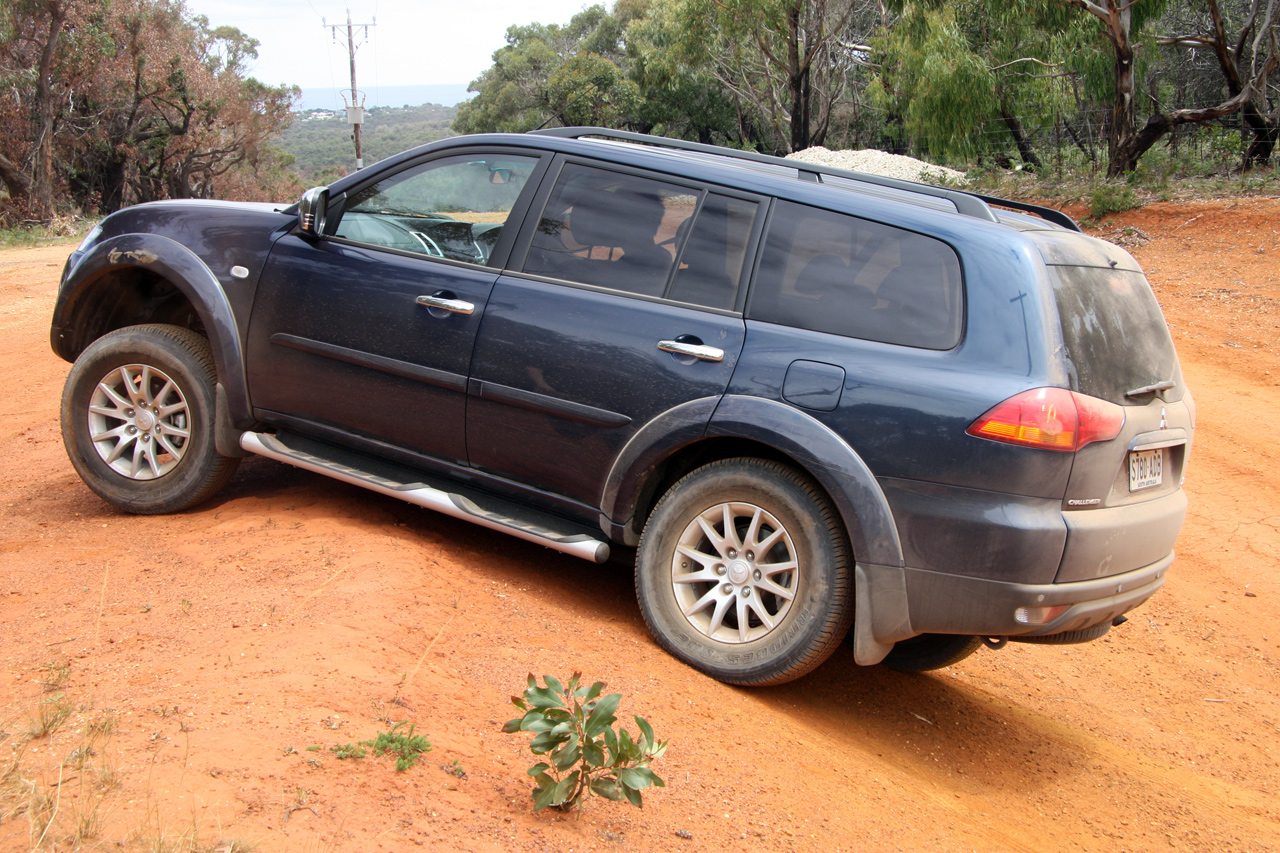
[[445, 94]]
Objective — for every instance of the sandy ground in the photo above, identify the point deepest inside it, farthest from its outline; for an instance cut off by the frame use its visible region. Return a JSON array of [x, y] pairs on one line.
[[207, 661]]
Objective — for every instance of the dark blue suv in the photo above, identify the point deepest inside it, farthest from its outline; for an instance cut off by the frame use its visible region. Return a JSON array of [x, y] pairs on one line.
[[819, 404]]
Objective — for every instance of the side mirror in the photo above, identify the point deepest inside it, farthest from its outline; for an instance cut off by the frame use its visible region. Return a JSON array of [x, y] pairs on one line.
[[499, 176], [311, 211]]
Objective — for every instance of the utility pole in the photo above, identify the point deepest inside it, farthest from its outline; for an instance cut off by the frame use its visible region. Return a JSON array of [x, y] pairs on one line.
[[355, 108]]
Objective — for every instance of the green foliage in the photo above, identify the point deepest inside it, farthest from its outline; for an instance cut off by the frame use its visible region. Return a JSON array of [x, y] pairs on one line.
[[1112, 198], [532, 80], [320, 145], [573, 727], [348, 750], [626, 68], [407, 747]]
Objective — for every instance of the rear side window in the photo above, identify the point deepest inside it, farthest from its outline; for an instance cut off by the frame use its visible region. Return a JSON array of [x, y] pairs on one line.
[[611, 230], [834, 273], [1115, 335]]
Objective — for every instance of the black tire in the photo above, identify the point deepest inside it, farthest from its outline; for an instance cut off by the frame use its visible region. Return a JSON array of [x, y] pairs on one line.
[[154, 459], [805, 628], [931, 651], [1067, 638]]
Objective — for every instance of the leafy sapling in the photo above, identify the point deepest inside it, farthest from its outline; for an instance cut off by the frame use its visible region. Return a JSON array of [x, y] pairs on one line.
[[407, 747], [573, 727]]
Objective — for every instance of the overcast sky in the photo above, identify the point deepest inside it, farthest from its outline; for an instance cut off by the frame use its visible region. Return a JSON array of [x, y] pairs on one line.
[[415, 42]]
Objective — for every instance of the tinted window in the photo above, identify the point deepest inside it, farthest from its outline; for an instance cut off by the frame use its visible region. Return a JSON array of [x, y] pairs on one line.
[[451, 208], [611, 230], [847, 276], [711, 265], [1116, 336]]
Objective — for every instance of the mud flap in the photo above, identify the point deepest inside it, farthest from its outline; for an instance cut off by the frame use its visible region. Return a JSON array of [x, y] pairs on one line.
[[225, 436], [881, 615]]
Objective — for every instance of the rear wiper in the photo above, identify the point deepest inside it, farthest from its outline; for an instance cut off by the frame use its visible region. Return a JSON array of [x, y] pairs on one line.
[[1149, 389]]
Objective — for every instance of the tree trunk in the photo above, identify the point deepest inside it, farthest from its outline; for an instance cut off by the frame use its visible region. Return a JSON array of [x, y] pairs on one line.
[[1075, 137], [1265, 137], [1122, 140], [18, 184], [797, 82], [46, 111], [1025, 151]]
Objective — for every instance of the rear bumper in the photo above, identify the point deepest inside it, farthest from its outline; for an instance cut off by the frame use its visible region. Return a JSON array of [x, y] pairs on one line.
[[940, 603], [1099, 541]]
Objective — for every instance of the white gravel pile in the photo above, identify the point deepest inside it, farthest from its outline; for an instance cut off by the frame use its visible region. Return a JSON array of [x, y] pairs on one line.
[[879, 163]]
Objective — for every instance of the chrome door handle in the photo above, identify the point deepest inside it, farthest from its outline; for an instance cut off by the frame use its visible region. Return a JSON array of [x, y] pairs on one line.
[[698, 351], [453, 306]]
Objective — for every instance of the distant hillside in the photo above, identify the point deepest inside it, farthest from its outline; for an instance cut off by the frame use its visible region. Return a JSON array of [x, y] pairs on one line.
[[449, 94], [320, 140]]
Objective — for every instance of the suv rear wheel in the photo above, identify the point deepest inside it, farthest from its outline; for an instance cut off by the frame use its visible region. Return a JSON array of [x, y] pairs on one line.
[[743, 572], [138, 419], [931, 651]]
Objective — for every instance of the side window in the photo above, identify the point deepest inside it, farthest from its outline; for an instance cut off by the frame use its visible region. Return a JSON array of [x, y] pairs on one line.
[[611, 230], [711, 265], [847, 276], [450, 208]]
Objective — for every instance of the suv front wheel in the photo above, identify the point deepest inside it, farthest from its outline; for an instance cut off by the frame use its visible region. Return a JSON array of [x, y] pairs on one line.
[[744, 572], [138, 419]]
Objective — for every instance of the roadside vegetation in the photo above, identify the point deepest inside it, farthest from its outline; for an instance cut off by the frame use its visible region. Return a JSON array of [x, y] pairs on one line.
[[106, 103]]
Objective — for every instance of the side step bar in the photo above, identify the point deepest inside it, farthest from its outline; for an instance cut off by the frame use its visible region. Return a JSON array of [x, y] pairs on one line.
[[498, 515]]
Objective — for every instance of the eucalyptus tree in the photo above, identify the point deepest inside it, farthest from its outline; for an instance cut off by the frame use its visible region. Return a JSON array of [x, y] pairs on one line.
[[110, 103], [1246, 63], [968, 77], [1123, 23], [786, 61], [552, 72], [40, 61]]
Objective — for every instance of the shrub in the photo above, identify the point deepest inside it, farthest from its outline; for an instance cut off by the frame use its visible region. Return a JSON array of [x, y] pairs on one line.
[[1112, 198], [573, 727]]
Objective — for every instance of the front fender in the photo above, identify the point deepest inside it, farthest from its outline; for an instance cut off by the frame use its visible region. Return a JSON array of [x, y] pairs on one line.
[[185, 271]]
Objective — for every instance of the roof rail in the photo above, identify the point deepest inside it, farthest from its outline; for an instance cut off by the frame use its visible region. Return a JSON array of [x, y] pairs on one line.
[[968, 204]]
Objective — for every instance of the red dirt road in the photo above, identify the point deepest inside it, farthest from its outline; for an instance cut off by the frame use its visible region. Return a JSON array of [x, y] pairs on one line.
[[209, 660]]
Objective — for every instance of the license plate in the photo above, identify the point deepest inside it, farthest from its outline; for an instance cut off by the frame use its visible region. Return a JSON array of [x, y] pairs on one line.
[[1146, 469]]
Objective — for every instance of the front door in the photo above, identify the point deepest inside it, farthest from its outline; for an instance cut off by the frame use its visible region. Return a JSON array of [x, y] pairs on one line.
[[365, 337]]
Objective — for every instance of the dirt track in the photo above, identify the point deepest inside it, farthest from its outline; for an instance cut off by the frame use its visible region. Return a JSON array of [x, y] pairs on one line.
[[294, 612]]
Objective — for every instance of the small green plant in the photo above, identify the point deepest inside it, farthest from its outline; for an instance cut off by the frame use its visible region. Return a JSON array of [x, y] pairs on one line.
[[573, 727], [407, 747], [348, 750]]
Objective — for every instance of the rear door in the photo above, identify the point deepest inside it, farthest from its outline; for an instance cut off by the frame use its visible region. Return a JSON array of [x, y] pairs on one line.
[[365, 336], [1124, 504], [627, 305]]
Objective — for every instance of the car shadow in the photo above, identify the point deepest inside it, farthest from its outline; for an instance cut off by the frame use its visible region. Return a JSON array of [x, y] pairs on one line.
[[937, 725]]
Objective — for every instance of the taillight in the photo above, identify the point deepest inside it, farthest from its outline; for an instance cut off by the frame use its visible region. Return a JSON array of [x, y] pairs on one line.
[[1051, 419]]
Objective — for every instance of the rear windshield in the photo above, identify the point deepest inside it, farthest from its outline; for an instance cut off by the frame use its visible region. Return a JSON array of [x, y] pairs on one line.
[[1115, 335]]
